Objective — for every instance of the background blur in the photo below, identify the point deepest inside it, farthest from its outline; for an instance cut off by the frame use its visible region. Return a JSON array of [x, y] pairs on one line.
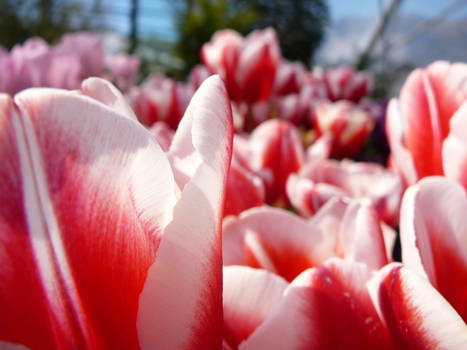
[[386, 36]]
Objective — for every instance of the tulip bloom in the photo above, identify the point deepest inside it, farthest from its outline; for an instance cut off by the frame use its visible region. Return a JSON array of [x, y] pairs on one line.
[[344, 83], [160, 99], [290, 77], [248, 66], [123, 69], [106, 242], [322, 179], [348, 124], [427, 125], [285, 244]]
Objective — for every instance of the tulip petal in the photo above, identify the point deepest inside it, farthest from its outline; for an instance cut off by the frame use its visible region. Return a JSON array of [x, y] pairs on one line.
[[455, 148], [79, 227], [400, 155], [101, 90], [181, 304], [434, 237], [417, 316], [250, 295], [275, 240], [361, 237], [324, 308]]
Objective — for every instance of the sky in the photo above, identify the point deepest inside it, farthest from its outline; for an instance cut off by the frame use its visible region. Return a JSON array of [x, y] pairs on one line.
[[156, 15]]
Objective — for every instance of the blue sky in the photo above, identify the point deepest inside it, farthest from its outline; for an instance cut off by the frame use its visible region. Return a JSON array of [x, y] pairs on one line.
[[156, 19]]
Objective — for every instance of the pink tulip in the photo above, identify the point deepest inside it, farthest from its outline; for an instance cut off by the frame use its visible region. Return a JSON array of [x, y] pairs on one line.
[[106, 241], [328, 307], [248, 66], [160, 99], [124, 69], [348, 124], [285, 244], [90, 50], [344, 83], [290, 77], [321, 179], [426, 125], [275, 153]]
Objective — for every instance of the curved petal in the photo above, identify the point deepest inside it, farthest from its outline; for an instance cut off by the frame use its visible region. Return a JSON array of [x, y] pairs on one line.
[[455, 148], [181, 304], [275, 240], [250, 295], [361, 237], [423, 131], [434, 237], [276, 145], [400, 155], [417, 316], [324, 308], [102, 91], [79, 227]]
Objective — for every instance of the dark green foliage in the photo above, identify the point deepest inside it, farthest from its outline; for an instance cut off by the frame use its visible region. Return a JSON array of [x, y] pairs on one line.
[[299, 24]]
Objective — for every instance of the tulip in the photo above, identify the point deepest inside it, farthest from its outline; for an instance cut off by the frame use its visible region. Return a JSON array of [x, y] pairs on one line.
[[106, 241], [275, 153], [160, 99], [344, 83], [322, 179], [327, 307], [348, 124], [285, 244], [290, 77], [426, 125], [248, 66], [90, 50], [123, 69]]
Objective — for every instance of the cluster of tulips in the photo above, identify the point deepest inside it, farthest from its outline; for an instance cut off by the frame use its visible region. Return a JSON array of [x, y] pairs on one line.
[[219, 213]]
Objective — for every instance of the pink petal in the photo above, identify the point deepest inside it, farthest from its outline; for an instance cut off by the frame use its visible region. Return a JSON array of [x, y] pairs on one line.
[[434, 237], [275, 240], [79, 228], [250, 295], [276, 146], [324, 308], [417, 316], [361, 237], [400, 155], [423, 125], [181, 303], [102, 91], [455, 148]]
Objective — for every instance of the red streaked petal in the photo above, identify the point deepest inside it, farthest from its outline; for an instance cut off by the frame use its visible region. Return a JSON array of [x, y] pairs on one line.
[[78, 225], [250, 295], [324, 308], [423, 132], [455, 148], [181, 304], [276, 240], [434, 237], [417, 316]]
